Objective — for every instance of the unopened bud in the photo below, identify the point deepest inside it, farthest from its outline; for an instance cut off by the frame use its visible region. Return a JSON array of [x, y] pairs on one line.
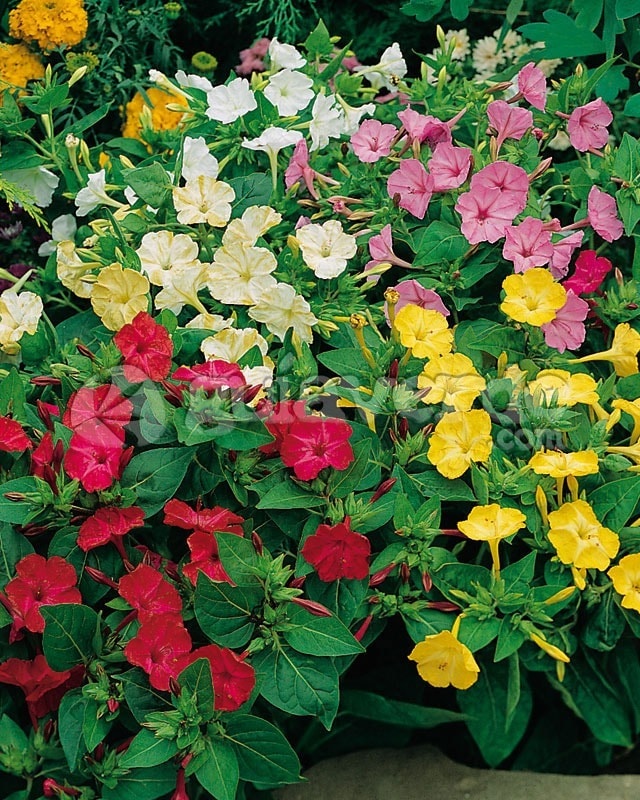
[[44, 414], [257, 542], [317, 609], [84, 351], [100, 577], [444, 605], [297, 583], [427, 583], [384, 487], [403, 428], [78, 75], [15, 497], [393, 372], [542, 167], [405, 573], [381, 575], [359, 634], [174, 687], [113, 705]]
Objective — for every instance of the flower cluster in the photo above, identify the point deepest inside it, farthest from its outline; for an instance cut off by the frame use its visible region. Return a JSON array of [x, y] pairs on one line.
[[50, 24]]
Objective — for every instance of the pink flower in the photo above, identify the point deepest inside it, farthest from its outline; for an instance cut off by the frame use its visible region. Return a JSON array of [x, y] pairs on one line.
[[299, 169], [562, 253], [603, 215], [449, 166], [486, 214], [527, 245], [567, 330], [422, 127], [381, 250], [413, 184], [511, 180], [372, 141], [413, 293], [590, 271], [509, 121], [532, 85], [587, 125]]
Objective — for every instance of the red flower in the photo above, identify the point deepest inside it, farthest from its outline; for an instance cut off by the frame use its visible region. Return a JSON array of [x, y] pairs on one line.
[[104, 406], [338, 552], [46, 459], [205, 558], [233, 679], [209, 520], [211, 375], [590, 271], [108, 525], [146, 348], [43, 687], [278, 421], [314, 443], [160, 648], [95, 457], [146, 590], [13, 439], [40, 582]]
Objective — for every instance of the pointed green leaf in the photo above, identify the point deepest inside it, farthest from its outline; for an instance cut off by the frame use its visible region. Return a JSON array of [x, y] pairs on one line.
[[69, 634], [224, 612], [264, 755], [196, 680], [220, 773], [156, 475], [147, 750], [319, 636]]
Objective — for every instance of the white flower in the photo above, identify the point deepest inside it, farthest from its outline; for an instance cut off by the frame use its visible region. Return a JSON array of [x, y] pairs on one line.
[[181, 286], [353, 115], [19, 314], [39, 183], [229, 103], [280, 308], [327, 121], [204, 200], [273, 140], [162, 250], [254, 223], [232, 344], [485, 58], [197, 160], [193, 81], [284, 56], [560, 141], [239, 275], [289, 92], [256, 376], [72, 271], [461, 48], [326, 248], [209, 322], [549, 65], [94, 194], [62, 228], [388, 70]]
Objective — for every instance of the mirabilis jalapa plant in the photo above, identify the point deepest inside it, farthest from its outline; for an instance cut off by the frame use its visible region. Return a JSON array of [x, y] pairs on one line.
[[339, 361]]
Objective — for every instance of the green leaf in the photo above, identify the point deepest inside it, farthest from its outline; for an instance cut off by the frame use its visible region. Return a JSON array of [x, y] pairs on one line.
[[433, 484], [589, 14], [251, 190], [143, 784], [486, 705], [219, 774], [562, 37], [459, 8], [319, 636], [375, 707], [238, 557], [318, 42], [70, 636], [94, 728], [240, 431], [626, 8], [156, 475], [605, 624], [519, 575], [141, 698], [510, 639], [70, 722], [614, 503], [196, 680], [299, 684], [13, 547], [513, 688], [151, 184], [289, 495], [347, 362], [422, 10], [426, 623], [476, 633], [224, 612], [438, 242], [12, 511], [264, 755], [343, 597], [343, 482], [629, 209], [12, 735], [147, 750], [12, 395]]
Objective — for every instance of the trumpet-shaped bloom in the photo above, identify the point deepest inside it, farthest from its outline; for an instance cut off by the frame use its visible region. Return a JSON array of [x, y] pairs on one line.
[[146, 348], [413, 184], [254, 223], [449, 166], [147, 590], [197, 159], [423, 331], [532, 297], [280, 308], [372, 141], [444, 661], [563, 388], [387, 71], [336, 552], [314, 443], [532, 84], [233, 679], [510, 122], [580, 539], [486, 215], [451, 379], [567, 331], [119, 295], [527, 245], [326, 248], [460, 438], [13, 438], [588, 125], [603, 215], [591, 269], [228, 103], [561, 465], [562, 253], [108, 524], [284, 56], [239, 275], [289, 91], [19, 314], [204, 199], [327, 121], [626, 580], [632, 408], [623, 353], [161, 251], [161, 648], [180, 287], [413, 293], [492, 522]]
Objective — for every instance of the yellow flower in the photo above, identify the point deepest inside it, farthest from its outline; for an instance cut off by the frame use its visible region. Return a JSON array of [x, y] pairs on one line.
[[490, 524], [423, 331], [631, 452], [204, 200], [626, 580], [532, 297], [444, 661], [19, 314], [561, 465], [580, 539], [623, 353], [458, 439], [119, 295], [72, 271], [563, 388], [18, 66], [451, 379], [157, 115], [53, 23], [549, 649], [632, 408]]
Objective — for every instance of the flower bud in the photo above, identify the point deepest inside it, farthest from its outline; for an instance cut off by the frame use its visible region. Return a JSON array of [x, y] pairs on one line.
[[381, 575], [359, 634], [317, 609], [384, 487]]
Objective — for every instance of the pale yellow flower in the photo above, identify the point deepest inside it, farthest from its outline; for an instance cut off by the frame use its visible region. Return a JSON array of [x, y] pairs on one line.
[[180, 287], [623, 353], [451, 379], [204, 200], [232, 344], [240, 275], [580, 539], [160, 251], [254, 223], [280, 308], [444, 661], [119, 295], [19, 314], [72, 271]]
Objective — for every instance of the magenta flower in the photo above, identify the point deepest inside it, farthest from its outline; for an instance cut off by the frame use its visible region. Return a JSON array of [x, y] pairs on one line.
[[603, 215], [486, 214], [563, 252], [300, 170], [424, 128], [413, 184], [511, 180], [567, 331], [372, 141], [510, 122], [532, 85], [591, 269], [587, 126], [413, 293], [449, 166], [527, 245], [381, 250]]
